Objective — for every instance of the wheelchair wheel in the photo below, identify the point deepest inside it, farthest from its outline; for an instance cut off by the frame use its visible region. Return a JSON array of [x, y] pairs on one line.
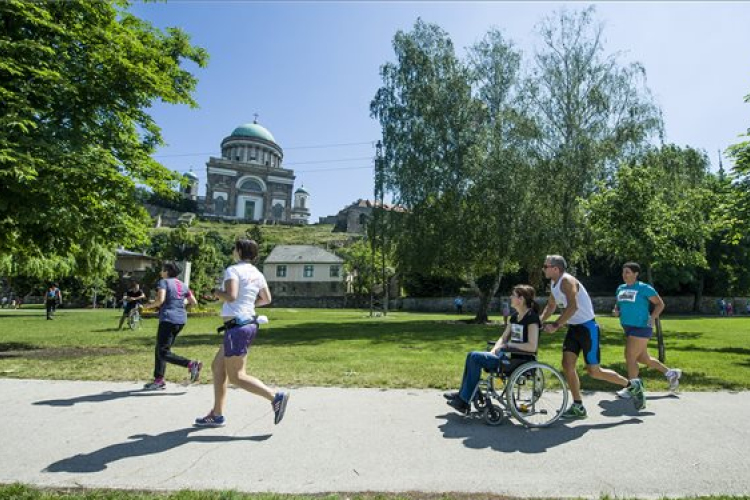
[[537, 394], [481, 400], [134, 321], [494, 415]]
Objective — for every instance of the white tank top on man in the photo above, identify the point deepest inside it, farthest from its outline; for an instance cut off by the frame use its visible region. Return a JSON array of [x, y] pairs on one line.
[[250, 281], [585, 310]]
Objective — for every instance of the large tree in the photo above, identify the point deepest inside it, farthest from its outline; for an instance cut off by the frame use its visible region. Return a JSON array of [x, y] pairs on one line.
[[592, 111], [76, 80], [453, 157]]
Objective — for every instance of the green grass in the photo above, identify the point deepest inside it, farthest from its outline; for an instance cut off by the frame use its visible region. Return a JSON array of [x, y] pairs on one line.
[[21, 492], [318, 347], [311, 234]]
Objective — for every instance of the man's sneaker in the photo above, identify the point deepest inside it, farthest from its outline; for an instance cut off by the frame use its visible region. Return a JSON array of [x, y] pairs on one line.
[[624, 393], [674, 379], [211, 420], [575, 411], [156, 385], [636, 391], [279, 406], [450, 395], [459, 405], [195, 371]]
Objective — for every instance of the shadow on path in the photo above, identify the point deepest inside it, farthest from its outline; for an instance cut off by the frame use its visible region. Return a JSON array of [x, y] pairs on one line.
[[512, 437], [106, 396], [140, 445]]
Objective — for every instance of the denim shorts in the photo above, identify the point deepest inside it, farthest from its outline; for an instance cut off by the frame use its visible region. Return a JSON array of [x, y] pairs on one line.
[[644, 332], [237, 340]]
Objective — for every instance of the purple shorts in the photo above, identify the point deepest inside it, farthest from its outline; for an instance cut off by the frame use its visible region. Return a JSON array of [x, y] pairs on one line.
[[237, 340], [644, 332]]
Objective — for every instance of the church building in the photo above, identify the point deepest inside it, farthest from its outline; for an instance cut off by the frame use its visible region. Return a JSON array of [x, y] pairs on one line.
[[249, 183]]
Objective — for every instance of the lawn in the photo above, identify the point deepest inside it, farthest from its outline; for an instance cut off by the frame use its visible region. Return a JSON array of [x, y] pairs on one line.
[[319, 347]]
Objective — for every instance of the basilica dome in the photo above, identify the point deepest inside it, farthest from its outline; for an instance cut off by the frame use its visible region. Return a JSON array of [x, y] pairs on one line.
[[253, 130]]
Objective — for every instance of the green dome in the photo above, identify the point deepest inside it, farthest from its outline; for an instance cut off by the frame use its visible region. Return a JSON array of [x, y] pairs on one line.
[[192, 175], [301, 190], [253, 130]]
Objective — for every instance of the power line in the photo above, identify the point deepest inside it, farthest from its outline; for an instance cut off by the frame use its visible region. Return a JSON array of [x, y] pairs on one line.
[[321, 146]]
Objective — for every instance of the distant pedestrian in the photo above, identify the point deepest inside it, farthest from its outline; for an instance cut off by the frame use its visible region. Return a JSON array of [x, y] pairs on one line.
[[459, 303], [730, 307], [52, 299], [171, 295], [721, 305], [244, 288], [4, 301], [505, 312], [747, 307], [634, 299]]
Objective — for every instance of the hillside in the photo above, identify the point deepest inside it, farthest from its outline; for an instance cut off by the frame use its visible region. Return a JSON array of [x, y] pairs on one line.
[[314, 234]]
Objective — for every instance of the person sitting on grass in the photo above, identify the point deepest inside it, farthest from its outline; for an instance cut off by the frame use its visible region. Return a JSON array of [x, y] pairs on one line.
[[520, 339]]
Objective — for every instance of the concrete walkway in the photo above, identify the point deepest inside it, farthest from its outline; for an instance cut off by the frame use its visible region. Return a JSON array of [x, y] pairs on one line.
[[113, 435]]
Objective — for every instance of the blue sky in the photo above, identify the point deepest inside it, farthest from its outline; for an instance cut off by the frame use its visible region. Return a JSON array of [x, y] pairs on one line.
[[310, 69]]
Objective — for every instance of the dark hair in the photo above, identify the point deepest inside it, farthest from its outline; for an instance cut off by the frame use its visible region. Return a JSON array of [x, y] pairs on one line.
[[633, 266], [247, 249], [172, 269], [528, 294]]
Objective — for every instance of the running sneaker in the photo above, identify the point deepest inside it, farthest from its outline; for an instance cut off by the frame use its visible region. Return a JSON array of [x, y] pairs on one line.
[[450, 395], [636, 391], [279, 406], [195, 371], [575, 411], [211, 420], [674, 379], [624, 393], [156, 385]]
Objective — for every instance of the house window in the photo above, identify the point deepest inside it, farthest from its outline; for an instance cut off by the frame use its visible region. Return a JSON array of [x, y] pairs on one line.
[[281, 271], [308, 271], [334, 272]]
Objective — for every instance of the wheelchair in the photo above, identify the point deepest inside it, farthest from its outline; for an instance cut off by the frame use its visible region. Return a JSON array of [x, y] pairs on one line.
[[533, 393]]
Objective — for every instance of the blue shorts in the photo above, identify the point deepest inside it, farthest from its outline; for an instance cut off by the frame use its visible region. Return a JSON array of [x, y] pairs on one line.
[[237, 340], [643, 332], [584, 337]]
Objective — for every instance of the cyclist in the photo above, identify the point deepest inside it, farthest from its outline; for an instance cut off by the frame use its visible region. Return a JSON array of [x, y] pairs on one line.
[[132, 301]]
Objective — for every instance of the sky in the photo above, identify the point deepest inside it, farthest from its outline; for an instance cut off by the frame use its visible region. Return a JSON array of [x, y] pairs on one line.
[[310, 70]]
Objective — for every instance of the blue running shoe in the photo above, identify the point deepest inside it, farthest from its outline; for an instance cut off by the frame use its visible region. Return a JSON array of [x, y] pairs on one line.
[[279, 406], [211, 420]]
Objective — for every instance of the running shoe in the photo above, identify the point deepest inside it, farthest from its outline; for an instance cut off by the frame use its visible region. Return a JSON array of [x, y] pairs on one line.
[[636, 391], [195, 371], [279, 406], [674, 379], [156, 385], [575, 412], [624, 393], [211, 420], [459, 405], [450, 395]]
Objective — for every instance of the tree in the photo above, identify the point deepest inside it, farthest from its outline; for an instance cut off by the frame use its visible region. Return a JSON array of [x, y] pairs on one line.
[[453, 159], [75, 80], [592, 113], [655, 212]]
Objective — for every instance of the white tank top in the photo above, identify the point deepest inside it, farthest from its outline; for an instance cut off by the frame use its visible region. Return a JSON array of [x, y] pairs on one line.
[[585, 310]]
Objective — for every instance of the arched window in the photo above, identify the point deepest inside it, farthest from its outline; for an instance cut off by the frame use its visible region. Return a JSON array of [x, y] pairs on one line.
[[251, 185]]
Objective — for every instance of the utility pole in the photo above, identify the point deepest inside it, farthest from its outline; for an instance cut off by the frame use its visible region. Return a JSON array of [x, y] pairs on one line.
[[379, 196]]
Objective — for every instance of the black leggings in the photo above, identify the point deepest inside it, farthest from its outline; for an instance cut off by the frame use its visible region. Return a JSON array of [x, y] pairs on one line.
[[51, 308], [165, 338]]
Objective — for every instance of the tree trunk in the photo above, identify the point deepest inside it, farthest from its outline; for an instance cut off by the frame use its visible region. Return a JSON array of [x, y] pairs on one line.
[[659, 332], [485, 297], [699, 293]]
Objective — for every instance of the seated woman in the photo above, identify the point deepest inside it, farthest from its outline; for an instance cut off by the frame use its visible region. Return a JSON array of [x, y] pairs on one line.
[[520, 339]]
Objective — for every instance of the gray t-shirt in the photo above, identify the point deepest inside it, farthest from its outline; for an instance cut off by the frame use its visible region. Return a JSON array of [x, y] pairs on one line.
[[173, 308]]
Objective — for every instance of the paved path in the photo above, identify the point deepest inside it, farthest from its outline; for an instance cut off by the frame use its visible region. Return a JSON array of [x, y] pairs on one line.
[[112, 435]]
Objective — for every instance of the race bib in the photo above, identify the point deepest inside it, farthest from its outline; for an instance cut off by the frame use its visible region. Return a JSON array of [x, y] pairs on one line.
[[627, 296], [516, 333]]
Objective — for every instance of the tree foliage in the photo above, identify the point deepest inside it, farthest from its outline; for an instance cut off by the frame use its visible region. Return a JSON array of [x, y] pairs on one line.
[[76, 79]]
